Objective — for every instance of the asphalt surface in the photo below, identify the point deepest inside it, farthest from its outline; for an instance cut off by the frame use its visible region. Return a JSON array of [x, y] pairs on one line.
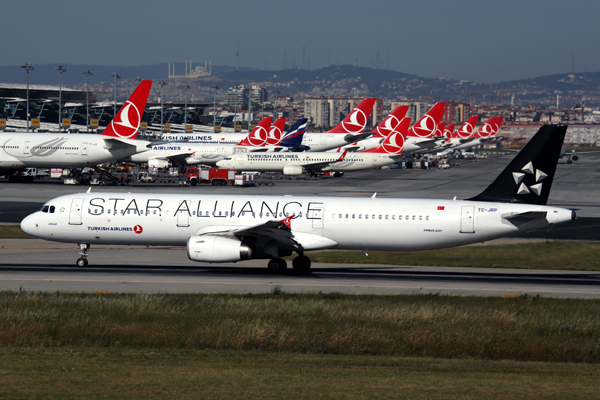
[[40, 265]]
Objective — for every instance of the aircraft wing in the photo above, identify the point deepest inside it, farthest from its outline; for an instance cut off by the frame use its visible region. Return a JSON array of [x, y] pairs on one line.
[[318, 166], [115, 143], [176, 159], [350, 138]]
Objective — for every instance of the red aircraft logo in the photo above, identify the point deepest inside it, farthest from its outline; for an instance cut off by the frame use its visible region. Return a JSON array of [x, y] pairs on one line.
[[127, 121], [138, 229]]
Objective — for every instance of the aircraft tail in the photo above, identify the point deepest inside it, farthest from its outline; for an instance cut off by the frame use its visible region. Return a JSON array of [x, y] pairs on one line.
[[276, 132], [389, 124], [528, 178], [427, 125], [490, 128], [259, 135], [126, 123], [448, 131], [293, 137], [466, 129], [356, 121], [440, 130], [393, 144]]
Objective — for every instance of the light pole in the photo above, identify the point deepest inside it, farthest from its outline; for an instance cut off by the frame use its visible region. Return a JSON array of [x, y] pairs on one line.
[[60, 70], [162, 83], [262, 92], [87, 74], [276, 94], [116, 76], [27, 67], [235, 101], [215, 88], [186, 87]]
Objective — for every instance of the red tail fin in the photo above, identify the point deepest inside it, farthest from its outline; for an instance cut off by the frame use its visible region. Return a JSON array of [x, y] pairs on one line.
[[448, 132], [390, 123], [127, 121], [356, 121], [490, 128], [276, 132], [394, 142], [259, 135], [427, 125], [467, 128], [439, 132]]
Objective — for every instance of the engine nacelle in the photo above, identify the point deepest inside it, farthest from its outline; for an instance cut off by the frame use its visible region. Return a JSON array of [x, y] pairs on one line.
[[211, 248], [292, 170], [157, 163], [575, 158]]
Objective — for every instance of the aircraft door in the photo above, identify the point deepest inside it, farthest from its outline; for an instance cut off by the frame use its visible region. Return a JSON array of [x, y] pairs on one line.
[[323, 140], [84, 148], [467, 220], [26, 146], [183, 215], [317, 213], [76, 212]]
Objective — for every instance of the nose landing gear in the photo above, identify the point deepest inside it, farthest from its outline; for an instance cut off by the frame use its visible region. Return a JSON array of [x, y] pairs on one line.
[[83, 261]]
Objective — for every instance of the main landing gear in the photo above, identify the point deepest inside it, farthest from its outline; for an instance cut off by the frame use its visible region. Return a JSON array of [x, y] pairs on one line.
[[83, 261], [279, 265]]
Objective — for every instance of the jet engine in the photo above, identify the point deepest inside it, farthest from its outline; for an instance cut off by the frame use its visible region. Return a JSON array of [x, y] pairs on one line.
[[211, 248], [158, 163], [292, 170]]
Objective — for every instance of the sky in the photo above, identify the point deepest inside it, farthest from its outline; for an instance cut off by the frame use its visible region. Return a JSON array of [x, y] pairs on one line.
[[480, 41]]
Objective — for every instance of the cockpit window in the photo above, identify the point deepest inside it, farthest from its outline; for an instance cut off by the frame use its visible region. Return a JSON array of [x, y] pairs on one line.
[[52, 208], [45, 209]]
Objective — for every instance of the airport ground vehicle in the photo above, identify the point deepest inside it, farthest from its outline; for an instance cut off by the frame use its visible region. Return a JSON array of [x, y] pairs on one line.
[[214, 176], [143, 176]]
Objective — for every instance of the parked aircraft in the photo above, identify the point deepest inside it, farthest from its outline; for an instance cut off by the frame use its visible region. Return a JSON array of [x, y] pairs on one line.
[[229, 228], [389, 152], [486, 133], [52, 150], [464, 134]]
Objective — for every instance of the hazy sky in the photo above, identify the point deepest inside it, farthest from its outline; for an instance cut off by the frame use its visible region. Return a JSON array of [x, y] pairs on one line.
[[484, 41]]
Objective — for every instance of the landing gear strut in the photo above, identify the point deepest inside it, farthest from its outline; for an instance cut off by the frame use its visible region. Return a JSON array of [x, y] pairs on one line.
[[83, 261], [277, 265], [301, 263]]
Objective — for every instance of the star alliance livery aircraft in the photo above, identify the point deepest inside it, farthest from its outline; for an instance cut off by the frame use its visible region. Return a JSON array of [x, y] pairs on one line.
[[52, 150], [230, 228]]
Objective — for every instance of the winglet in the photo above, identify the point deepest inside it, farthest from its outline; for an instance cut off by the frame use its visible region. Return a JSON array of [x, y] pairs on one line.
[[288, 221], [343, 156], [126, 123]]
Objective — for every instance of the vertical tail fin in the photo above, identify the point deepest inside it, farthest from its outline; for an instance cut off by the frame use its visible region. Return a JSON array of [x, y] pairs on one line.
[[440, 130], [490, 128], [466, 129], [448, 132], [427, 125], [356, 121], [394, 142], [293, 137], [276, 132], [259, 135], [127, 121], [389, 124], [528, 178]]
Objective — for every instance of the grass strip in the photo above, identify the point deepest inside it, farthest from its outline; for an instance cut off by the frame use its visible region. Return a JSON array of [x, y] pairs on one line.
[[521, 329], [557, 255], [13, 232], [93, 373]]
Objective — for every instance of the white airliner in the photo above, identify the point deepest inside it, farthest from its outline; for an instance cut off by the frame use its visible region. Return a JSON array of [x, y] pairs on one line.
[[387, 153], [230, 228], [52, 150]]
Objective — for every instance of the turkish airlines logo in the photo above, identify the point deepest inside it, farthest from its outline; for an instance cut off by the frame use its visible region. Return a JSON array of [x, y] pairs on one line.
[[258, 137], [127, 121], [274, 135], [288, 221], [447, 133], [356, 122], [138, 229], [487, 130], [389, 125], [466, 130], [426, 126], [394, 143]]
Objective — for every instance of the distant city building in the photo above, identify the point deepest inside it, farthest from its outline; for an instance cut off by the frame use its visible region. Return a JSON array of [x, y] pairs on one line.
[[416, 108]]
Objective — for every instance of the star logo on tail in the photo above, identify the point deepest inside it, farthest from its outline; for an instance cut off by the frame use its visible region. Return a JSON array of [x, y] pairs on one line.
[[528, 169]]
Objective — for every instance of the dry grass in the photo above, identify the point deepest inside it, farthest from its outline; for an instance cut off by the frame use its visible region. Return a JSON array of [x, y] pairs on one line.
[[13, 232], [525, 328], [228, 374]]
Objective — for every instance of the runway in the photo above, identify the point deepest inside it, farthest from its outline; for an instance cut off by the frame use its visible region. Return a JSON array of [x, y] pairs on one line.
[[38, 265]]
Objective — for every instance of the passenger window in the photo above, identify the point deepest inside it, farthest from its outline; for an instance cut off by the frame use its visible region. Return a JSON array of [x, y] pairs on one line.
[[427, 218], [219, 213], [193, 212], [399, 217], [359, 216], [407, 217], [226, 213], [373, 216], [154, 212], [233, 213], [353, 216], [128, 212], [386, 217], [366, 216], [420, 217], [414, 217], [379, 216], [300, 215], [346, 216], [393, 217]]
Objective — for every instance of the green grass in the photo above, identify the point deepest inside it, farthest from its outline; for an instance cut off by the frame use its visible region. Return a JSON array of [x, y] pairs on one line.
[[558, 255], [520, 329], [65, 373], [13, 232]]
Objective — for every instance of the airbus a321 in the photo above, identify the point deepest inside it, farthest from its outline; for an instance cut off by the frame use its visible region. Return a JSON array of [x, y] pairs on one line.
[[231, 228]]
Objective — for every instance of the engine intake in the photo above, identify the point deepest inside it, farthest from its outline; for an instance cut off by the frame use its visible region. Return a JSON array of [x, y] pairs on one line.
[[290, 170], [211, 248]]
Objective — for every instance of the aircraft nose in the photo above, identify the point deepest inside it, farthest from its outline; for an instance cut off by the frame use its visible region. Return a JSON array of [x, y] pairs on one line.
[[29, 225]]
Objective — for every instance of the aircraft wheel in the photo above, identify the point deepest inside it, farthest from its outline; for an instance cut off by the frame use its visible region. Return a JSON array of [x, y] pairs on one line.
[[277, 265], [301, 263], [82, 262]]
